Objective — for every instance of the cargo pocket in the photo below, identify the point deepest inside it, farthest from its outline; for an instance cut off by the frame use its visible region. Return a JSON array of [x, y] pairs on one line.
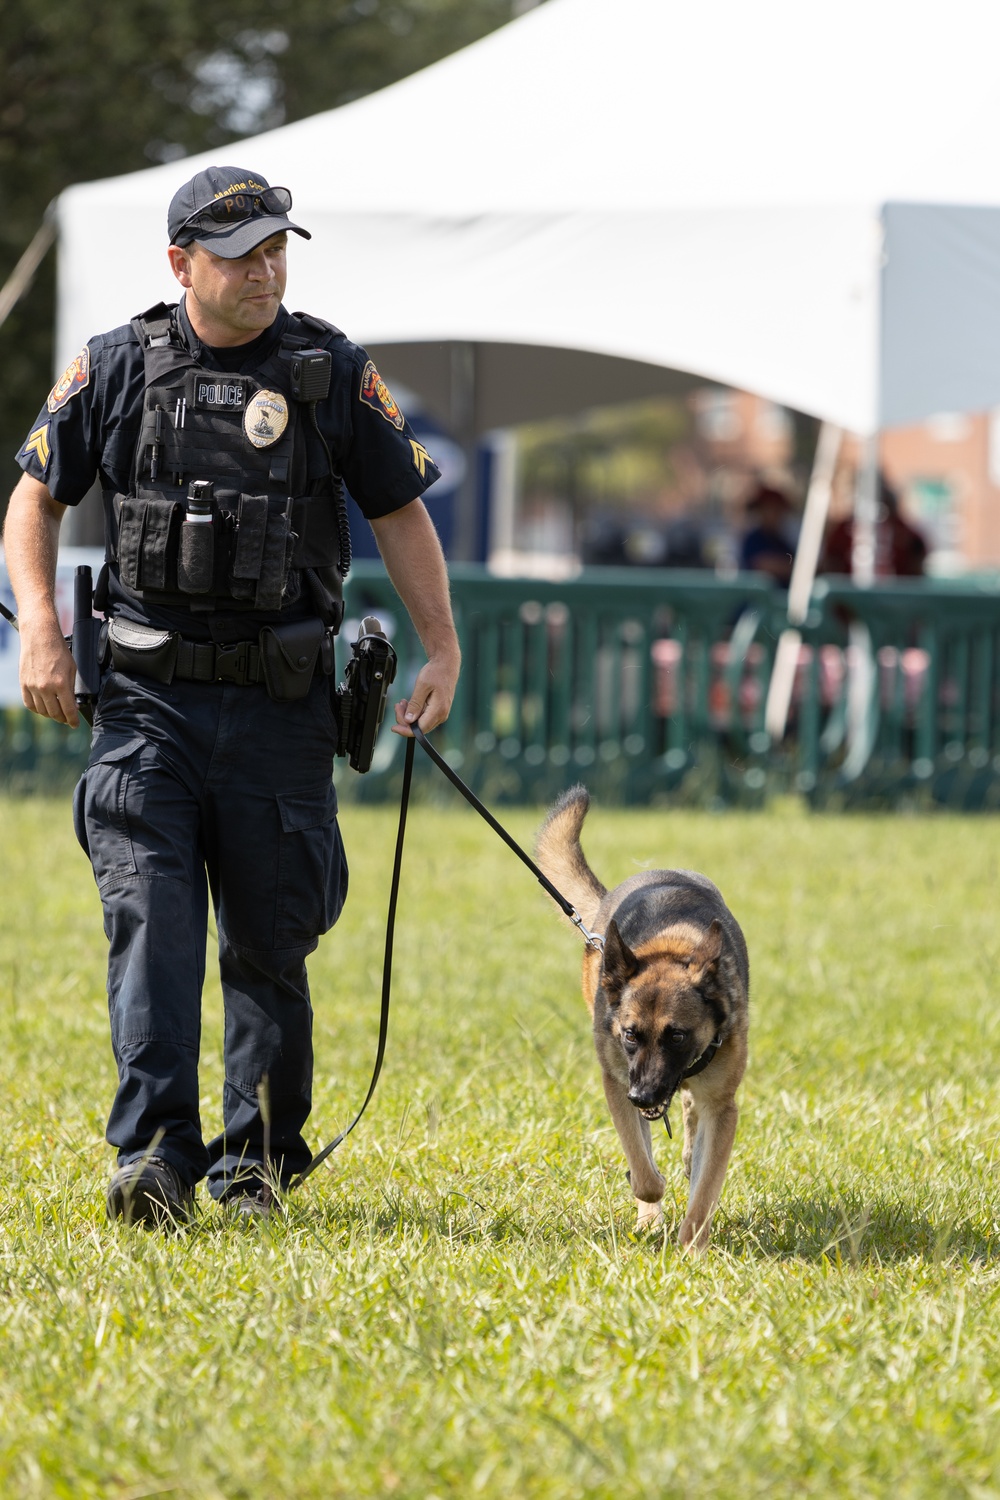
[[312, 868], [99, 807]]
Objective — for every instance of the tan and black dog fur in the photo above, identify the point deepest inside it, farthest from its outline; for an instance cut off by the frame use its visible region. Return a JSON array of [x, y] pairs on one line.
[[673, 978]]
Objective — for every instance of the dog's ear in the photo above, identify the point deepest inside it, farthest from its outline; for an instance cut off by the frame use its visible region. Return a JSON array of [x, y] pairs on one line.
[[620, 963], [707, 954]]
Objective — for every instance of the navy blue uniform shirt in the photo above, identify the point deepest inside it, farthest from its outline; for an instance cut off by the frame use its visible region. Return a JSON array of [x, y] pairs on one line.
[[89, 426]]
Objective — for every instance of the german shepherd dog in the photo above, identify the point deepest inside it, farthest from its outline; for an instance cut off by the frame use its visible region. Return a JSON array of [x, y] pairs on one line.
[[669, 998]]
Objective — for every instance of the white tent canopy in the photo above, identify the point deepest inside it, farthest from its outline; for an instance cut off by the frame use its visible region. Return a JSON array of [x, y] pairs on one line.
[[802, 200]]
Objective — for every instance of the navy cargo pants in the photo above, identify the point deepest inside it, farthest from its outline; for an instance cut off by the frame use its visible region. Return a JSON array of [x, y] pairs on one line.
[[191, 790]]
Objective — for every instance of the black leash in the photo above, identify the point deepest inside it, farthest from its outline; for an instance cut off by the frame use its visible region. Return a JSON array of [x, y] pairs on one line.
[[390, 927], [592, 939]]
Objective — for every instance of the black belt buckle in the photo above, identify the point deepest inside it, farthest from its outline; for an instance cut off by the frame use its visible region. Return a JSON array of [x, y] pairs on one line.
[[232, 663]]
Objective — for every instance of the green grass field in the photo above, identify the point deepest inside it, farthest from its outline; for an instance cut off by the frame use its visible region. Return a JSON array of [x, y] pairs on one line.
[[459, 1305]]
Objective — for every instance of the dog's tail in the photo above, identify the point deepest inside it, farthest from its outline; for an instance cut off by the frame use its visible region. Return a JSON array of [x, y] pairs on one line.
[[561, 859]]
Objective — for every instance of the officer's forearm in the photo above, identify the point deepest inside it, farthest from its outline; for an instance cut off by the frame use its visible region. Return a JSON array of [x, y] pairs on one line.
[[414, 561], [31, 547], [31, 544]]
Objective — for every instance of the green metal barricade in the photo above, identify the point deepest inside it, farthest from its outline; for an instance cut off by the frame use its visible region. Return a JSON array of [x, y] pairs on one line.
[[647, 685], [651, 685], [904, 683], [37, 755]]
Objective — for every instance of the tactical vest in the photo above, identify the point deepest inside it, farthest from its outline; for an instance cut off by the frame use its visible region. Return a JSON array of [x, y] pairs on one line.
[[278, 512]]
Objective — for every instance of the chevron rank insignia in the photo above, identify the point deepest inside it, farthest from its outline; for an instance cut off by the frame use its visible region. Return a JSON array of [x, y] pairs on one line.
[[38, 445], [421, 458]]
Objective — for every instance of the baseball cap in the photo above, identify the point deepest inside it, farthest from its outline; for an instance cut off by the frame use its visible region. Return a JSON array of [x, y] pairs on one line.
[[229, 211]]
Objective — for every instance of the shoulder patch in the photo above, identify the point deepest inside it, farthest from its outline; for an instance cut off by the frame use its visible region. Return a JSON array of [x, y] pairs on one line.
[[38, 445], [376, 394], [75, 376]]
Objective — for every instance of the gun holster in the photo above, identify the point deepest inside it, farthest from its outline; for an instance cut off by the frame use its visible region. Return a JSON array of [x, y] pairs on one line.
[[361, 698]]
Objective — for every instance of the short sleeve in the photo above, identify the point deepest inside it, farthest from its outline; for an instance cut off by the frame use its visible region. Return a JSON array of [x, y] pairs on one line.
[[61, 448], [384, 464], [90, 423]]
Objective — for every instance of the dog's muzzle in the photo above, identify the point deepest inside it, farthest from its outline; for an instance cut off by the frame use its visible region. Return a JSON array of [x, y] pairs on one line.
[[655, 1109]]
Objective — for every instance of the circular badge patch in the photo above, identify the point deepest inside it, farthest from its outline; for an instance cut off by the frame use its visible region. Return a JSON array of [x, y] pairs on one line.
[[265, 418]]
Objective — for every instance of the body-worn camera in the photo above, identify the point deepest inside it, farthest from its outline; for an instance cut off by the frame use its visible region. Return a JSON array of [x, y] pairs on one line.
[[361, 697]]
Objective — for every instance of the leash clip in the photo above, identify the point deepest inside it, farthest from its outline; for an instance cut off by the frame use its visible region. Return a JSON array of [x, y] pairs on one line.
[[592, 939]]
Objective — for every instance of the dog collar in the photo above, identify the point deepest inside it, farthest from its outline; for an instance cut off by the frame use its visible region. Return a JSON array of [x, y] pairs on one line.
[[706, 1057], [696, 1067]]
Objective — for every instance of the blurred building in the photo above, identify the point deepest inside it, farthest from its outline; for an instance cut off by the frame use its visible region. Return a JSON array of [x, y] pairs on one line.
[[947, 473], [743, 432]]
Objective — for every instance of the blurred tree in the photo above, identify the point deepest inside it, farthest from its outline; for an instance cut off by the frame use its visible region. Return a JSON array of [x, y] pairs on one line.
[[113, 86], [620, 456]]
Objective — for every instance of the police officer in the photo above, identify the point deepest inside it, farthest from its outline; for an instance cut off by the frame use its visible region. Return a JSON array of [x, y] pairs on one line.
[[222, 430]]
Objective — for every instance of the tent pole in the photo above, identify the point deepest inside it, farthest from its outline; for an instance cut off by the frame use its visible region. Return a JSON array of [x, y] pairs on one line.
[[817, 506], [865, 514], [23, 273], [861, 676]]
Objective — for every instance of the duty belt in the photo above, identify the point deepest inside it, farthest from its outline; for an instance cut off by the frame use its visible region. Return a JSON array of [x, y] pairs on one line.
[[283, 658], [204, 661]]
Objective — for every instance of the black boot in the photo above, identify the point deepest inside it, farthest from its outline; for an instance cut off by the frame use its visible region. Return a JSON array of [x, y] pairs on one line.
[[149, 1192]]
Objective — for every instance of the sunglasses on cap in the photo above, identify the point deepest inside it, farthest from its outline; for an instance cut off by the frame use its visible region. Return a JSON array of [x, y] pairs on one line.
[[233, 208]]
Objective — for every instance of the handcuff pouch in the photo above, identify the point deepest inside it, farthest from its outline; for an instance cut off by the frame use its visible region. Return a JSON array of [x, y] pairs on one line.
[[288, 655], [142, 649]]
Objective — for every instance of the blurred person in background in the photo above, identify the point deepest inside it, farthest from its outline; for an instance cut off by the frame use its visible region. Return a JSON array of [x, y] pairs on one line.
[[768, 545], [900, 550]]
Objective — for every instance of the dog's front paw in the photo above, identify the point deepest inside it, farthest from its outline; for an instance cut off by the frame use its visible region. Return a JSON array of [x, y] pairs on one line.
[[649, 1216], [694, 1237]]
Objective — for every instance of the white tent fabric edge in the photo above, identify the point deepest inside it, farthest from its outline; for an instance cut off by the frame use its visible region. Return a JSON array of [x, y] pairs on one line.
[[745, 297], [578, 210]]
